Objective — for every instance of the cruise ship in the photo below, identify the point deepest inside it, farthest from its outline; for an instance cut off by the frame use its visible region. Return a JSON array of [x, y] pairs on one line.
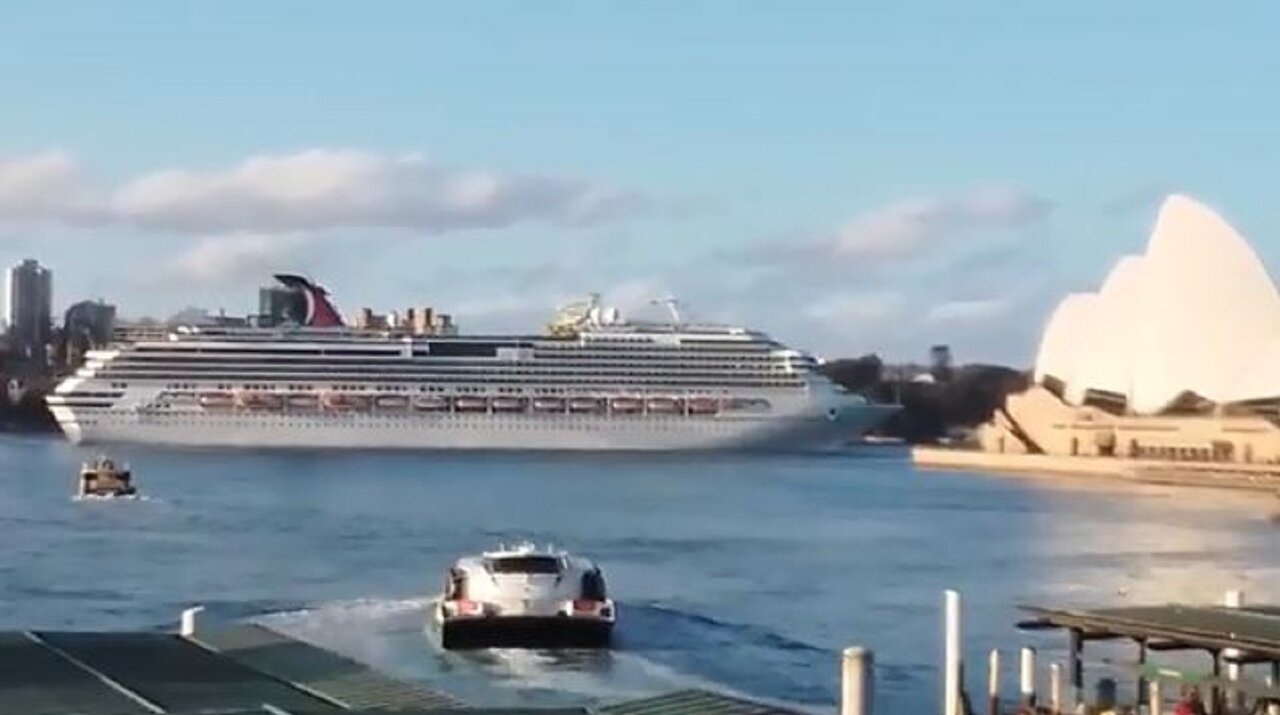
[[590, 381]]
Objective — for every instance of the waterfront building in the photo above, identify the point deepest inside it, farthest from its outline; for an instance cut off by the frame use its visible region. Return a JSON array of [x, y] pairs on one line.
[[1175, 357], [28, 311]]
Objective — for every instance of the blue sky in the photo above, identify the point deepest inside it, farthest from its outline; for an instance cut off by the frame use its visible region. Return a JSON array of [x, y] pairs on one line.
[[852, 177]]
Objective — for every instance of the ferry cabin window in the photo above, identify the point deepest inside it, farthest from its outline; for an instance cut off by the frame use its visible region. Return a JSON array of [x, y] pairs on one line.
[[525, 564]]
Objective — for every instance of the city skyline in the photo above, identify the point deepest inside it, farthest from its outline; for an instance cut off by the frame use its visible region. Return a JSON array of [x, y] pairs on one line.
[[837, 176]]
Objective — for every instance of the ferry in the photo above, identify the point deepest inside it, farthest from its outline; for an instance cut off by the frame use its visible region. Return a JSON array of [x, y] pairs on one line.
[[524, 596], [592, 380], [102, 478]]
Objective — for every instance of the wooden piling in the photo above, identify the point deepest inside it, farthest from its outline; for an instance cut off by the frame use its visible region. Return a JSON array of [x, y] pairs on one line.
[[951, 699], [857, 682], [993, 683], [1027, 676], [1233, 599], [1155, 701]]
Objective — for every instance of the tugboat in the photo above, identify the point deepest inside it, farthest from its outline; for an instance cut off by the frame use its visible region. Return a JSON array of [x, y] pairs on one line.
[[524, 597], [103, 478]]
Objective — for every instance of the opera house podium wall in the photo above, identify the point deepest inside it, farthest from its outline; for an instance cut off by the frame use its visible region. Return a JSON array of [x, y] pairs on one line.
[[1174, 361]]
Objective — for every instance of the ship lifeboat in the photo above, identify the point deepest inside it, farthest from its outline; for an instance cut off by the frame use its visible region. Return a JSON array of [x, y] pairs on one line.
[[548, 404], [703, 405], [346, 402], [182, 399], [216, 400], [508, 404], [259, 401], [431, 403], [391, 403], [303, 402], [586, 405], [665, 406], [470, 404], [626, 405]]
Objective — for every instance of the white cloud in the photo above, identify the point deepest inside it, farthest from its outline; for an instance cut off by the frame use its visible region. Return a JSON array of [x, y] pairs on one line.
[[237, 258], [311, 190], [967, 311], [849, 308], [37, 186]]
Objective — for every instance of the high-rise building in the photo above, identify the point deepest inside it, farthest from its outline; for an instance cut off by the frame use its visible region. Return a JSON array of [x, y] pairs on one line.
[[28, 310]]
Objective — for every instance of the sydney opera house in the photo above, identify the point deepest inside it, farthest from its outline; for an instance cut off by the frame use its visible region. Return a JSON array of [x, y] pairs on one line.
[[1175, 357]]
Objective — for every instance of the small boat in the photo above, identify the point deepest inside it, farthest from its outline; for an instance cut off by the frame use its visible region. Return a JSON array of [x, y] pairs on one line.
[[508, 404], [548, 404], [346, 402], [102, 478], [586, 405], [431, 403], [665, 406], [703, 405], [303, 402], [524, 597], [470, 404], [626, 405], [259, 401], [391, 403], [216, 400]]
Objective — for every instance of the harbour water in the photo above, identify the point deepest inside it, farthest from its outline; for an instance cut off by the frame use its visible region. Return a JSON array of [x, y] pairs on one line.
[[745, 574]]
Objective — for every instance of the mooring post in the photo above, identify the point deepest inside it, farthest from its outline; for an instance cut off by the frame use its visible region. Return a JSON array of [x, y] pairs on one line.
[[1027, 676], [1055, 689], [857, 682], [1142, 663], [993, 682], [187, 628], [1155, 702], [951, 701]]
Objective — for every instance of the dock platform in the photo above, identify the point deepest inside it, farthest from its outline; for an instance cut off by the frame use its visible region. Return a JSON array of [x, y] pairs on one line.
[[248, 669]]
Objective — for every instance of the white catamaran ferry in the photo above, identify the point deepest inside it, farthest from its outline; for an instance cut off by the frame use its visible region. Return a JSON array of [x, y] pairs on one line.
[[592, 381]]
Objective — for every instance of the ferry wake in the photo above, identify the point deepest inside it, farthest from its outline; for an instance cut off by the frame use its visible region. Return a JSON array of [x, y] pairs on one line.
[[591, 381]]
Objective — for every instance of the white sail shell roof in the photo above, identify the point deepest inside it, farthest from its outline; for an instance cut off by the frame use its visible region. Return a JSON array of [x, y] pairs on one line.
[[1196, 312]]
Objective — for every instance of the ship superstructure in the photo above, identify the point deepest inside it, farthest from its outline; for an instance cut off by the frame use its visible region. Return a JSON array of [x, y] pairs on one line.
[[592, 381]]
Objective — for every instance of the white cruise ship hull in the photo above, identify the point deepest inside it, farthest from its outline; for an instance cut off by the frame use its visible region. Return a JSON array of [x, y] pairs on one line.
[[479, 432]]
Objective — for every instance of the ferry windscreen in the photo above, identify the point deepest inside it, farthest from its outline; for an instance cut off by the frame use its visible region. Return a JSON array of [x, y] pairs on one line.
[[525, 564]]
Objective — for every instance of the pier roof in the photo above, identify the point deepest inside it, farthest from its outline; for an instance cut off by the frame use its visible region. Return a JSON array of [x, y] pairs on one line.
[[1254, 631], [249, 670]]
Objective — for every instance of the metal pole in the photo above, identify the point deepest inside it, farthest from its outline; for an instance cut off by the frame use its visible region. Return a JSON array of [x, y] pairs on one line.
[[1055, 689], [1027, 676], [993, 683], [952, 661], [1142, 662], [857, 682], [1076, 667], [1234, 599]]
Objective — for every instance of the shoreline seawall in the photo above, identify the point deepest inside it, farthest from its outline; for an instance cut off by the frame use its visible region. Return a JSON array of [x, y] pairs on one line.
[[1214, 475]]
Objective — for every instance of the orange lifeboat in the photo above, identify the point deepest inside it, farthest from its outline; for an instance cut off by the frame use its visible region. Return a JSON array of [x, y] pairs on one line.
[[589, 405], [216, 400], [470, 404], [703, 405], [346, 402], [431, 403], [548, 404], [391, 403], [626, 405], [508, 404], [259, 401], [665, 405]]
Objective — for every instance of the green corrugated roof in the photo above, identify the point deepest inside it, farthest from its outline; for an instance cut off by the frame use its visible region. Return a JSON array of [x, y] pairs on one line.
[[36, 681], [693, 702], [1255, 629], [178, 675], [350, 683]]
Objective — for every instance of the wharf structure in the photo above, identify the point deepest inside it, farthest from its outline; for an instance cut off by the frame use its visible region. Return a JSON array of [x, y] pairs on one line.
[[247, 669], [1171, 364]]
